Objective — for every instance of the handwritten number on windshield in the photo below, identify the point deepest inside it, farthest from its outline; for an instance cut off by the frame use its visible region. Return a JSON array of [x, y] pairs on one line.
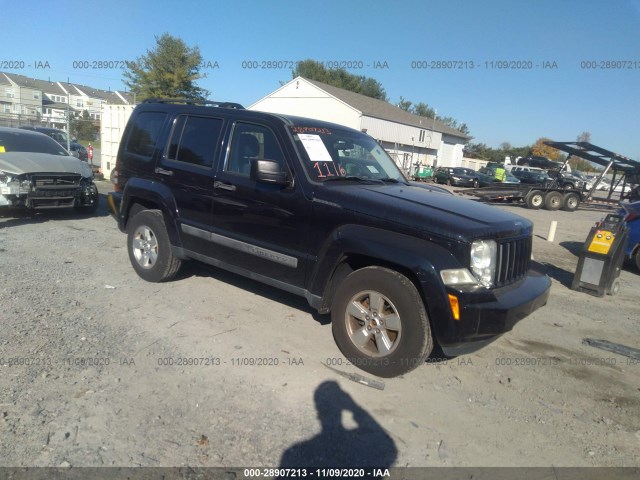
[[327, 169]]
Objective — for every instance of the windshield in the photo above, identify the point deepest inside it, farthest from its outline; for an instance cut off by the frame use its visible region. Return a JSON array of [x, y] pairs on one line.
[[462, 171], [341, 154], [12, 141]]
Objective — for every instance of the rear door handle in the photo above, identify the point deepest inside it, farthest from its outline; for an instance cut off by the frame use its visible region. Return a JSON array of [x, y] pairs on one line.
[[224, 186], [162, 171]]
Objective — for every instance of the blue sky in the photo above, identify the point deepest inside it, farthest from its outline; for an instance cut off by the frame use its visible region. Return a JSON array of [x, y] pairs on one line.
[[498, 104]]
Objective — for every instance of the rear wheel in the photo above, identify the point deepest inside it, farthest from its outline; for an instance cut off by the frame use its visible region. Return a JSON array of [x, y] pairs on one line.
[[570, 202], [379, 322], [553, 200], [476, 183], [534, 199], [637, 258], [149, 247]]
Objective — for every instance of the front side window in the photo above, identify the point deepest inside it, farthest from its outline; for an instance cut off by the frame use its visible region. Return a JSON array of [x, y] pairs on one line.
[[343, 154], [251, 142], [194, 139]]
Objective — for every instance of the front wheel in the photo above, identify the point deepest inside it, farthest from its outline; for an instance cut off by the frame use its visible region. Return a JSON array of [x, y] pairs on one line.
[[379, 322], [149, 247]]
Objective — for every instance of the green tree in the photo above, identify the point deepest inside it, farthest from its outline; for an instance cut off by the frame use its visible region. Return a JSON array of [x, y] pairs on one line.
[[169, 70], [339, 77], [423, 110], [83, 126], [404, 104]]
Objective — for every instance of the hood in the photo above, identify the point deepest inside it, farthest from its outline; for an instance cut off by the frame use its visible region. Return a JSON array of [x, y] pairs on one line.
[[415, 208], [19, 163]]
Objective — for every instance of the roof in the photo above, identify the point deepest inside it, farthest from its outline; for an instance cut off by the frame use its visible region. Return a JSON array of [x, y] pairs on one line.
[[53, 87], [383, 110]]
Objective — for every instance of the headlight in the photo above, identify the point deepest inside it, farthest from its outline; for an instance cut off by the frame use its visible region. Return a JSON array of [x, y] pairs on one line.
[[5, 177], [458, 276], [483, 261]]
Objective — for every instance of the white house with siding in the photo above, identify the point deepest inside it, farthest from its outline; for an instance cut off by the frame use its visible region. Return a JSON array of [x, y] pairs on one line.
[[410, 139]]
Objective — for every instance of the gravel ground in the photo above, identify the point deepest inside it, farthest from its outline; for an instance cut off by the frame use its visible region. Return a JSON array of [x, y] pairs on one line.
[[96, 368]]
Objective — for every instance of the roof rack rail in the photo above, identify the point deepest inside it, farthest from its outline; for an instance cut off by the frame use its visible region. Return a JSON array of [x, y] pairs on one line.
[[193, 101]]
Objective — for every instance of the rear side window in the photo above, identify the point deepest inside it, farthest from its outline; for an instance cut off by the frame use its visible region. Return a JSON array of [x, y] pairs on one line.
[[144, 134], [194, 139]]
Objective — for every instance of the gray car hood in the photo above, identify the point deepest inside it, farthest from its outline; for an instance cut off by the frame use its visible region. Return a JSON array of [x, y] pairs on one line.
[[19, 163]]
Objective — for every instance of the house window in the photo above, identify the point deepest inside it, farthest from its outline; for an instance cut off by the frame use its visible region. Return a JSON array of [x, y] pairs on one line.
[[36, 95], [9, 92], [79, 103], [421, 138], [6, 108]]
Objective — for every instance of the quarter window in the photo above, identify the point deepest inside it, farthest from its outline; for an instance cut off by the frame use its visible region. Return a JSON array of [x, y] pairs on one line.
[[144, 134]]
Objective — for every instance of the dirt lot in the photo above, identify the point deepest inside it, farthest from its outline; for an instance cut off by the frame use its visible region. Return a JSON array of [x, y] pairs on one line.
[[96, 368]]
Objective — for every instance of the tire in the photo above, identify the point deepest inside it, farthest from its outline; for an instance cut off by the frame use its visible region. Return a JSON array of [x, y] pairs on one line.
[[534, 199], [385, 345], [553, 200], [476, 183], [570, 202], [149, 247], [449, 181], [636, 258]]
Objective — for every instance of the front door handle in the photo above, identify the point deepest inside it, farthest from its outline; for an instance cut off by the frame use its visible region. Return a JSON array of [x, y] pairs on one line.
[[162, 171], [224, 186]]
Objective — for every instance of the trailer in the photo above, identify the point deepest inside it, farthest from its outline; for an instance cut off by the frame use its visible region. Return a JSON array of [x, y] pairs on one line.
[[553, 196]]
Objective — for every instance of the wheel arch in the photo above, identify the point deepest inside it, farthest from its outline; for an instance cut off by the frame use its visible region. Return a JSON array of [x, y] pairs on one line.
[[356, 247], [152, 196]]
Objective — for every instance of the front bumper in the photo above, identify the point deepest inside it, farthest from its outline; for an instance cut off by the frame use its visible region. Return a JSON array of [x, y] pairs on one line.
[[487, 314], [49, 191]]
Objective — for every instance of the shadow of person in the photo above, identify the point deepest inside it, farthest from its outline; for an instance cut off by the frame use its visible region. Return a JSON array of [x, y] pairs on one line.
[[365, 446]]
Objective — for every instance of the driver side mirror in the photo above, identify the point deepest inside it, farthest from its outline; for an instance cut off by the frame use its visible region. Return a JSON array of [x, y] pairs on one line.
[[268, 171]]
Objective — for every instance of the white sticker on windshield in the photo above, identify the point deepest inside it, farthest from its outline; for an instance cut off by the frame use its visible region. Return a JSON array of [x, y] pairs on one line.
[[372, 169], [315, 148]]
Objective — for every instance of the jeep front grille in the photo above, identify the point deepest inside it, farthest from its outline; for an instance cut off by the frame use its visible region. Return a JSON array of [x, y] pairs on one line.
[[513, 260]]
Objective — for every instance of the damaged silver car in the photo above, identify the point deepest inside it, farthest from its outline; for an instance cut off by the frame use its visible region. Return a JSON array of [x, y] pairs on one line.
[[36, 173]]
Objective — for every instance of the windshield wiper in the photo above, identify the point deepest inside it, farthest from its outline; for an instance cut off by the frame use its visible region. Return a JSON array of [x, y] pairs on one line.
[[352, 178], [392, 180]]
